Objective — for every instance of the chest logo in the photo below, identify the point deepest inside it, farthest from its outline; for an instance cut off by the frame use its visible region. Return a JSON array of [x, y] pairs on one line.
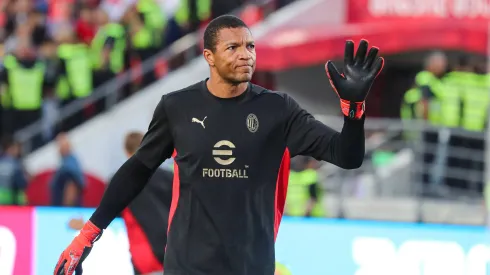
[[252, 123], [223, 149], [200, 121]]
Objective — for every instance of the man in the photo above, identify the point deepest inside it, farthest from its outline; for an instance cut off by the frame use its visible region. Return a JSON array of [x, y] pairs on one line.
[[146, 241], [69, 181], [232, 142]]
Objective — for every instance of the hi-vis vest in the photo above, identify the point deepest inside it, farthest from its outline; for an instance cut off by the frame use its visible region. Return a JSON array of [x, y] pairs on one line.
[[411, 105], [117, 54], [445, 107], [25, 85], [78, 79], [476, 101], [298, 194], [182, 15]]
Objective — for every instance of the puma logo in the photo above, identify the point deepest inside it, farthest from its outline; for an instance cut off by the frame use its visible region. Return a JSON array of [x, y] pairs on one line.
[[199, 121]]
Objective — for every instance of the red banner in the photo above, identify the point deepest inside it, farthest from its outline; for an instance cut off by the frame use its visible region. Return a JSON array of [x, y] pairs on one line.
[[376, 10], [15, 241]]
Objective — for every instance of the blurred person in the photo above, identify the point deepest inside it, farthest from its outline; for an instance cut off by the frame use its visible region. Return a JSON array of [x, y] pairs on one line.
[[231, 141], [75, 75], [147, 242], [68, 181], [304, 194], [107, 48], [468, 98], [438, 111], [154, 19], [50, 112], [26, 78], [475, 107], [84, 26], [141, 44], [13, 180]]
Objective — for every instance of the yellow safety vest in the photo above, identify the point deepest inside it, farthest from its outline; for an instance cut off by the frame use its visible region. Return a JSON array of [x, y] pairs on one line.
[[78, 79], [476, 101], [298, 194], [117, 54], [25, 85]]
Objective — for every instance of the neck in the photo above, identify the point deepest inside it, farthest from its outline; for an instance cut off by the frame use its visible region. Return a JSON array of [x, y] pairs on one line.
[[222, 89]]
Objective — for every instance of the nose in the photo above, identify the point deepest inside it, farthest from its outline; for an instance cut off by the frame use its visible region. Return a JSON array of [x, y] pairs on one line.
[[245, 54]]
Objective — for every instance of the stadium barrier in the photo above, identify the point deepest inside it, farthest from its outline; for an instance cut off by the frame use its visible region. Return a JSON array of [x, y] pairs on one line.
[[32, 238]]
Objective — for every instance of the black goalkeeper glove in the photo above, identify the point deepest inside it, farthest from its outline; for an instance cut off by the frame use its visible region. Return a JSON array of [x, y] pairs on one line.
[[354, 84]]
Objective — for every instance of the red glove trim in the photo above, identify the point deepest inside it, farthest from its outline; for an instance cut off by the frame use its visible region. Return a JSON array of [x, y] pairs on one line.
[[354, 112]]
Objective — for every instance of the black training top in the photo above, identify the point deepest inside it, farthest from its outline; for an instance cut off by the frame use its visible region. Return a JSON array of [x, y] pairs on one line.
[[231, 171]]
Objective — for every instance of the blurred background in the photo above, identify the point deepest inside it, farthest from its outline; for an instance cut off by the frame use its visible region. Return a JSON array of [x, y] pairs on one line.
[[77, 75]]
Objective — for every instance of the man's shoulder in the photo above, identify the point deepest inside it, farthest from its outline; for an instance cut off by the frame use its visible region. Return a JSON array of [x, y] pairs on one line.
[[184, 92], [261, 91]]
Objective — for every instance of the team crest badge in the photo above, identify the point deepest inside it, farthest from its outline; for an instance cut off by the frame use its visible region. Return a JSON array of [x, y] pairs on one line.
[[252, 123]]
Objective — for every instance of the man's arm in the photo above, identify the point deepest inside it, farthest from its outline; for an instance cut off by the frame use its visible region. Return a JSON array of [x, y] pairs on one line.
[[307, 136], [131, 178]]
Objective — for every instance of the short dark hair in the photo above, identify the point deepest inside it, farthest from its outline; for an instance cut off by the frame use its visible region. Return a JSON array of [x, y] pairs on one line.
[[217, 24], [132, 141]]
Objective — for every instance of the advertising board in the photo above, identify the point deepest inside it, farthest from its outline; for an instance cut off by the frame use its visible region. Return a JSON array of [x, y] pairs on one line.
[[15, 241], [319, 247], [54, 232], [31, 240]]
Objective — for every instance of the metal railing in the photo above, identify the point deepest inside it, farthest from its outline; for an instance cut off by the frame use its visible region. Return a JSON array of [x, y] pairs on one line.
[[450, 192]]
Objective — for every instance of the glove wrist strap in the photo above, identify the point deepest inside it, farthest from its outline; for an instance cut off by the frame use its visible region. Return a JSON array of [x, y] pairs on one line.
[[353, 110], [91, 232]]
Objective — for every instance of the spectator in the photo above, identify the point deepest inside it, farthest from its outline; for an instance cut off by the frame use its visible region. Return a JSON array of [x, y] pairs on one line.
[[85, 27], [13, 180], [68, 182]]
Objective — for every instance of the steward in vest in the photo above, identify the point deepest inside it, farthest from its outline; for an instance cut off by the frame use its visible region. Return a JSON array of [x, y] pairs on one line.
[[141, 40], [75, 75], [460, 86], [412, 109], [431, 87], [189, 16], [108, 49], [75, 70], [154, 20], [475, 107], [304, 197], [25, 78]]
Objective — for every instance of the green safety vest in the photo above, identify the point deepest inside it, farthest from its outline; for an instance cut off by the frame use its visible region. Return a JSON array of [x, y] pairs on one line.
[[182, 15], [476, 100], [445, 107], [155, 20], [78, 79], [299, 194], [143, 39], [117, 54], [25, 85], [411, 107], [282, 269]]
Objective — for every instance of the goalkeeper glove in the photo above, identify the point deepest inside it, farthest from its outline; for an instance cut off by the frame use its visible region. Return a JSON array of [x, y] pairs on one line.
[[354, 84], [71, 259]]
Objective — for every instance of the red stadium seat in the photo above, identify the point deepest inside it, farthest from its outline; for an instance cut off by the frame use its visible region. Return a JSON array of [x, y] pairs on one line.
[[38, 192]]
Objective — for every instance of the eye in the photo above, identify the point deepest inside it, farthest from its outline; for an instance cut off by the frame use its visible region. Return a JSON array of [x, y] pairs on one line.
[[251, 46], [231, 48]]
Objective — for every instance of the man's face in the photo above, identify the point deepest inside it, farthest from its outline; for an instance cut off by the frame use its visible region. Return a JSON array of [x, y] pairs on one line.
[[234, 55]]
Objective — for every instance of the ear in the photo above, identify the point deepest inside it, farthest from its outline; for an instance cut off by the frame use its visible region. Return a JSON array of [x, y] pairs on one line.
[[209, 56]]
